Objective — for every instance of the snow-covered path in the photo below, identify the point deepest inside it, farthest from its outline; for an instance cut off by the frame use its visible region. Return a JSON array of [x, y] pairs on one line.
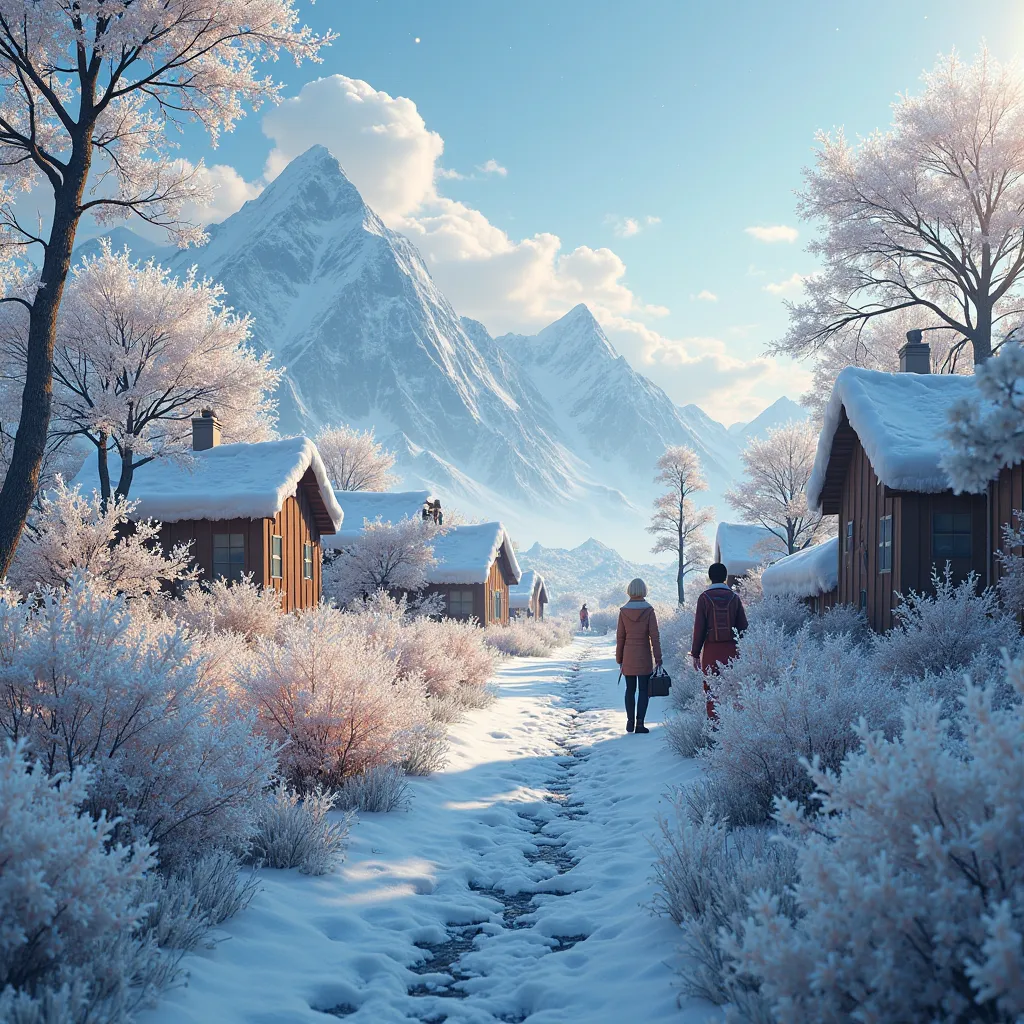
[[515, 888]]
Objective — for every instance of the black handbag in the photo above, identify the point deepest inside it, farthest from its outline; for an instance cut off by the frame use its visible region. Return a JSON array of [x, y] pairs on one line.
[[659, 684]]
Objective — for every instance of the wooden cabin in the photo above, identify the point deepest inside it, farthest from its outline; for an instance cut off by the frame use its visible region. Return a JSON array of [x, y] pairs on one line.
[[475, 567], [527, 598], [878, 469], [244, 508], [742, 547], [811, 576]]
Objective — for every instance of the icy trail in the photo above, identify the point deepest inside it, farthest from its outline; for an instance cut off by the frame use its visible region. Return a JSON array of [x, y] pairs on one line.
[[514, 889]]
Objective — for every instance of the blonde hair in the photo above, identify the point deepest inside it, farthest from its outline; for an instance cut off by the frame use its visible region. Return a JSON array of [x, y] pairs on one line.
[[637, 588]]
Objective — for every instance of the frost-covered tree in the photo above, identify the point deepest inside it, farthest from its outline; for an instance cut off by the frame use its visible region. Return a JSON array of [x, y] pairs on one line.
[[986, 432], [778, 467], [678, 524], [910, 901], [237, 606], [354, 460], [385, 556], [75, 534], [87, 91], [927, 216], [138, 353]]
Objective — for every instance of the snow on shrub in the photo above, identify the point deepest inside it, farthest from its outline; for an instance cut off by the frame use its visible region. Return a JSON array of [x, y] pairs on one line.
[[426, 748], [801, 705], [295, 832], [528, 638], [841, 618], [911, 890], [1011, 582], [604, 620], [87, 679], [687, 729], [67, 891], [450, 657], [707, 874], [337, 704], [72, 533], [944, 630], [378, 789], [241, 607]]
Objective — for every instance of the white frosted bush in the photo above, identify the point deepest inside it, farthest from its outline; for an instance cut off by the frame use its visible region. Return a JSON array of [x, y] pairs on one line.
[[786, 614], [337, 704], [911, 891], [86, 679], [426, 749], [240, 607], [805, 708], [378, 789], [295, 832], [1011, 582], [706, 876], [604, 620], [66, 891], [841, 618], [944, 630], [528, 638]]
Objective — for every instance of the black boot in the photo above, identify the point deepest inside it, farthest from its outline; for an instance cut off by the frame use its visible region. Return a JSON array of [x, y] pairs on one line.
[[629, 725], [640, 727]]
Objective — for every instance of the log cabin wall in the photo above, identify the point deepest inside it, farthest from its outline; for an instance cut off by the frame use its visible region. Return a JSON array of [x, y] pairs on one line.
[[296, 527], [1006, 496], [496, 585], [199, 533], [863, 503]]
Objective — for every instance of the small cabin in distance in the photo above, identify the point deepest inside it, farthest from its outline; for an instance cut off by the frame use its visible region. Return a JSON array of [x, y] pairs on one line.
[[260, 508], [475, 567], [742, 547], [878, 468], [810, 575], [527, 598]]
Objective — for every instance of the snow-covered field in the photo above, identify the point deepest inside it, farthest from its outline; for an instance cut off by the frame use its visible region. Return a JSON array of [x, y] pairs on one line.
[[529, 856]]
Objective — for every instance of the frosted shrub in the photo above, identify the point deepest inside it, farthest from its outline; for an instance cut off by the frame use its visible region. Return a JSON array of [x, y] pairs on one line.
[[295, 832], [337, 704], [706, 876], [527, 638], [85, 679], [240, 607], [72, 533], [944, 630], [687, 729], [807, 710], [1011, 582], [841, 619], [911, 890], [378, 789], [786, 614], [66, 891], [604, 620], [451, 658], [426, 749]]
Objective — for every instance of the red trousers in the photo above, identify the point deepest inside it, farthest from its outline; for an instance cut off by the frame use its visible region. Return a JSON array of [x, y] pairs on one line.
[[712, 655]]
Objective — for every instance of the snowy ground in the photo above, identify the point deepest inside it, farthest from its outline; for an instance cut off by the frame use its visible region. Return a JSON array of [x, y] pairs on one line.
[[515, 888]]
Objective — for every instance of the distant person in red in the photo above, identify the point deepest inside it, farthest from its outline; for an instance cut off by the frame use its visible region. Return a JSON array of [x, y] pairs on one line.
[[584, 618], [718, 619]]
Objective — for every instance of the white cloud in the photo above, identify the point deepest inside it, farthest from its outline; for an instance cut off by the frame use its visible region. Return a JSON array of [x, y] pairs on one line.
[[791, 286], [774, 233], [230, 192], [492, 167], [380, 140], [626, 227], [446, 173], [705, 296]]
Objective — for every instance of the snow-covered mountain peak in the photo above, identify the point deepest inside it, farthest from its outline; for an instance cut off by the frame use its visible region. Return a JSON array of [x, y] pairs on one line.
[[574, 340]]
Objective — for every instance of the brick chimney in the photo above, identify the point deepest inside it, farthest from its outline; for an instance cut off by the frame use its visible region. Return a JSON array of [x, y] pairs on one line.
[[205, 431], [916, 355]]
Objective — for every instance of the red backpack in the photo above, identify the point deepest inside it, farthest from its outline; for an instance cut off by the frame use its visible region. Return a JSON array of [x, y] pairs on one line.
[[721, 618]]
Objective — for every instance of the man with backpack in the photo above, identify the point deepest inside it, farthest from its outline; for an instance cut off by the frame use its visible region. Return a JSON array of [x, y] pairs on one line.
[[584, 618], [717, 620]]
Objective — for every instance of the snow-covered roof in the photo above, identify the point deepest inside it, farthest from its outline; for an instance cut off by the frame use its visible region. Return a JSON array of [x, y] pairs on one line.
[[736, 545], [465, 554], [807, 573], [230, 481], [389, 506], [522, 593], [900, 419]]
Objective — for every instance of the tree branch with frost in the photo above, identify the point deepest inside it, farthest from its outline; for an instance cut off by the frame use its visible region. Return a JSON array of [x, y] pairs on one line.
[[928, 216], [355, 461], [87, 94]]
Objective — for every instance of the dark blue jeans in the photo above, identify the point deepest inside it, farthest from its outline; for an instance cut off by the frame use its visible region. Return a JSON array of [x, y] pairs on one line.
[[634, 683]]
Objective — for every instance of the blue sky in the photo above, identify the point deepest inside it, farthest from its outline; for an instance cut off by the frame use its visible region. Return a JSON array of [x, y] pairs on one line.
[[638, 141]]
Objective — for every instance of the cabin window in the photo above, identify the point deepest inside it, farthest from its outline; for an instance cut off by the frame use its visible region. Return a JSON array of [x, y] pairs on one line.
[[276, 558], [497, 606], [307, 561], [460, 603], [951, 535], [885, 544], [229, 555], [849, 536]]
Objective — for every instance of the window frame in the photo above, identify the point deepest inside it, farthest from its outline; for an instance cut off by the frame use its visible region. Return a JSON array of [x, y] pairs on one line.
[[496, 605], [277, 555], [885, 544], [959, 526], [236, 567], [465, 596], [308, 564]]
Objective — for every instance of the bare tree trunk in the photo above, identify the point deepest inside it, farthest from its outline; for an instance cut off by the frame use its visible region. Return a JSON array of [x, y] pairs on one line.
[[680, 574], [22, 480], [104, 468], [981, 336], [124, 483]]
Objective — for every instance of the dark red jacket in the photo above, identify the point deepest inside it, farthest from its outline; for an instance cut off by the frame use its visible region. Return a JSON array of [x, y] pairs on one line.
[[718, 617]]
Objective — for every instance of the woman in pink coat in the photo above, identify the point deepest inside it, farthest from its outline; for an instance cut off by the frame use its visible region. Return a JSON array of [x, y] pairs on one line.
[[637, 650]]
